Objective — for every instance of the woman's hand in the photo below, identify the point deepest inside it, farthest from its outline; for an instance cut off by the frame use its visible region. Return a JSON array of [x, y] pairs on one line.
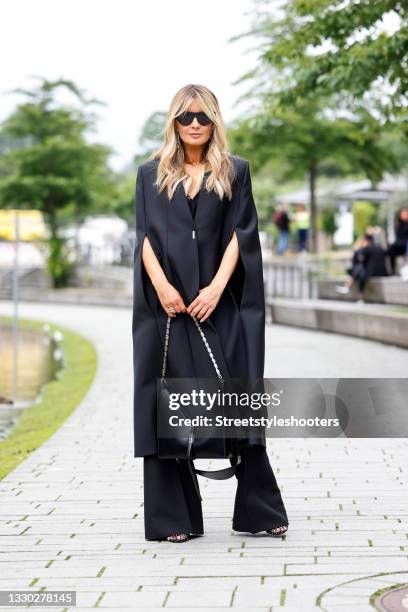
[[208, 297], [205, 302], [170, 298]]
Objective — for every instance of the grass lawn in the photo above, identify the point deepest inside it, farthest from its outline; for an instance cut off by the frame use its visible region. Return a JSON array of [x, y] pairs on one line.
[[59, 397], [402, 309]]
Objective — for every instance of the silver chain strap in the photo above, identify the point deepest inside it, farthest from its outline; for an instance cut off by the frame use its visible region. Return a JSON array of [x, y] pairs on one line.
[[166, 343]]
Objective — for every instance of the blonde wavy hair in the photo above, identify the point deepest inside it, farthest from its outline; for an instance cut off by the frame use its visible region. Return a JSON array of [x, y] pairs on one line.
[[171, 171]]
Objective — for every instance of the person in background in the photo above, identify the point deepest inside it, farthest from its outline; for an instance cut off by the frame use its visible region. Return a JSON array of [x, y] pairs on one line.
[[301, 218], [282, 222], [378, 235], [400, 244], [369, 259]]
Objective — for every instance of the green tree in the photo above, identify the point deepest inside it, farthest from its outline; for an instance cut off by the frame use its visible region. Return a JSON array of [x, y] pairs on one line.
[[326, 223], [345, 49], [50, 165], [151, 136], [307, 139], [123, 203], [364, 214], [121, 197], [312, 131]]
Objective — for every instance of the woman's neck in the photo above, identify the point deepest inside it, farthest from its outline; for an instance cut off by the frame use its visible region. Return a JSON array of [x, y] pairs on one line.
[[193, 155]]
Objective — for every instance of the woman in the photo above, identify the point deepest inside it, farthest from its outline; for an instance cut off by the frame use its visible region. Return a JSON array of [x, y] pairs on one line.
[[197, 254], [368, 260], [400, 244]]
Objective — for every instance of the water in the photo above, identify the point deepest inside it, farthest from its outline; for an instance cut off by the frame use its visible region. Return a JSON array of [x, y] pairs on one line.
[[25, 366]]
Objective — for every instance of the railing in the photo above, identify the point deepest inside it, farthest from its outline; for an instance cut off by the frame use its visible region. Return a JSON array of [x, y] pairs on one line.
[[297, 278], [288, 279], [28, 276]]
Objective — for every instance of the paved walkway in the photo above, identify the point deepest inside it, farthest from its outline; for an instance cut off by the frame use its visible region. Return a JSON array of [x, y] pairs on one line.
[[72, 513]]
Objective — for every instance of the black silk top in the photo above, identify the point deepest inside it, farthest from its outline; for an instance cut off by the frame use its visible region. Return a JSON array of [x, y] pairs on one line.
[[193, 203]]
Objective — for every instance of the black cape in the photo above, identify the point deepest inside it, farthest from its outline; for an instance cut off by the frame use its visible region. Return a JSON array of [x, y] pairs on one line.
[[235, 330]]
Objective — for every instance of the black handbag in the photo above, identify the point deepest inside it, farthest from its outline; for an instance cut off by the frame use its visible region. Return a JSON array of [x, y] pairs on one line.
[[184, 445]]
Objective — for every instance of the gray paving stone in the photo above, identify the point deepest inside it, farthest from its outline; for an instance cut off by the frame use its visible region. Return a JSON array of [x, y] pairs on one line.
[[137, 600], [208, 598], [262, 595], [76, 503]]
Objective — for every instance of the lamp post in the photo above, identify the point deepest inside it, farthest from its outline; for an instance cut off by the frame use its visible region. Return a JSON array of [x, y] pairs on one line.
[[15, 307]]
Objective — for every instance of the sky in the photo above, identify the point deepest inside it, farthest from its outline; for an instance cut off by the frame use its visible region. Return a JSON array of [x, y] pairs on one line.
[[132, 54]]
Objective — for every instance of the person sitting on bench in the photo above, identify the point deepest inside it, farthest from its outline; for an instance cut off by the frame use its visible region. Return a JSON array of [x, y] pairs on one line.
[[368, 260]]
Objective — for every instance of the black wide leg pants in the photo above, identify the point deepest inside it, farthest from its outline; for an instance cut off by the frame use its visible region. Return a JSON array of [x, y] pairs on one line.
[[172, 503]]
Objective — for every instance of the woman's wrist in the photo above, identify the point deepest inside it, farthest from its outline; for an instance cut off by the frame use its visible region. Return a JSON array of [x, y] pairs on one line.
[[218, 284], [159, 281]]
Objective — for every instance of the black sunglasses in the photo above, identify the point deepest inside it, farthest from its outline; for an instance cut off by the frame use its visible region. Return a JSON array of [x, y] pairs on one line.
[[188, 117]]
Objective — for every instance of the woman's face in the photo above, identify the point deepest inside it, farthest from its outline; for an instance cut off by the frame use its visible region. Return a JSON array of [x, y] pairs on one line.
[[194, 134], [404, 214]]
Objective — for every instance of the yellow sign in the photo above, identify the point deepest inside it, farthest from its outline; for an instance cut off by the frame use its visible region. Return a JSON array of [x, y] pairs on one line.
[[31, 224]]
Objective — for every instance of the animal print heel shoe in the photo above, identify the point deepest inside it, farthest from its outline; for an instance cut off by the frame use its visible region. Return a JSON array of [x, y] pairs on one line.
[[277, 532]]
